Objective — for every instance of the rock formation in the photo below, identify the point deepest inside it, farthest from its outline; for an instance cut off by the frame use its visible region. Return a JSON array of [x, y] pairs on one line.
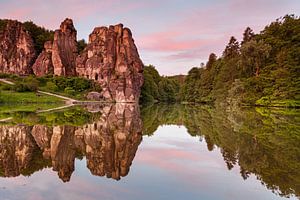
[[16, 149], [64, 50], [111, 58], [43, 64], [17, 51]]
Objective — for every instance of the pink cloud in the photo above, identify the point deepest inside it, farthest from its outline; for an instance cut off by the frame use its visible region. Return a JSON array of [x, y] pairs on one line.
[[56, 11], [154, 43], [175, 160]]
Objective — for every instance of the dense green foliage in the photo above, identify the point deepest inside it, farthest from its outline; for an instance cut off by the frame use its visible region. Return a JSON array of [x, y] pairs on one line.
[[81, 44], [3, 23], [159, 88], [75, 87], [263, 70], [39, 35]]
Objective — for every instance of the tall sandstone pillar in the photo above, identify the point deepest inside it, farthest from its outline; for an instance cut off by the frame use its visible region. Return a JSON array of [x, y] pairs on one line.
[[111, 59], [64, 49]]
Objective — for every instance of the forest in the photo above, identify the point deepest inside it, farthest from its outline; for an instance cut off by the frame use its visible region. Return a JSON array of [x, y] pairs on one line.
[[263, 70]]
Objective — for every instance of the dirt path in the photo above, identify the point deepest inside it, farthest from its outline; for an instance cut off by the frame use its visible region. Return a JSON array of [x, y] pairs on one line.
[[69, 102], [6, 81], [6, 119], [57, 108], [67, 99]]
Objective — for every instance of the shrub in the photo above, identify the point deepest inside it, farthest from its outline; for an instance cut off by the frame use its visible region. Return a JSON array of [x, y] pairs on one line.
[[69, 90], [51, 86], [7, 87], [22, 87]]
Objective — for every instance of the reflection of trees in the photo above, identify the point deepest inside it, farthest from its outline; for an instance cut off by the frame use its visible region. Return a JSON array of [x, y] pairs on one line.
[[109, 144], [263, 142]]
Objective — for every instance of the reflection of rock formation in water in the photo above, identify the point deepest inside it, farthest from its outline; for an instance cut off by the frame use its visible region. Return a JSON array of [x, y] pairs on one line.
[[63, 151], [110, 144], [42, 135], [16, 148]]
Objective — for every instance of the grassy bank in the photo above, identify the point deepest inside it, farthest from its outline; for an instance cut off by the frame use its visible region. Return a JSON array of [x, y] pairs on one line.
[[12, 101], [73, 87], [12, 97]]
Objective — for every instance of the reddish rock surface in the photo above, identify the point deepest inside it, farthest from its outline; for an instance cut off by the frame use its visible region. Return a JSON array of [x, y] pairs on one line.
[[64, 49], [111, 58], [43, 64], [17, 51]]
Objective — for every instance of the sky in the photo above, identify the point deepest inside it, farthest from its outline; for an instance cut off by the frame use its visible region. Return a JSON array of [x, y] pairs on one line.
[[172, 35]]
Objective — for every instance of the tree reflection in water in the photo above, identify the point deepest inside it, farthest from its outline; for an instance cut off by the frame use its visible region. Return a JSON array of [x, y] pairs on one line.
[[264, 142]]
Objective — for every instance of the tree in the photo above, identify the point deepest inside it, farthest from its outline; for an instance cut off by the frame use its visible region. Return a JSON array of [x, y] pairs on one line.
[[211, 61], [232, 49], [248, 35], [40, 35], [254, 55], [81, 44]]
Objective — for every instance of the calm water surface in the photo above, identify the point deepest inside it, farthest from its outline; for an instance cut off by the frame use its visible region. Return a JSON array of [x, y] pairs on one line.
[[154, 152]]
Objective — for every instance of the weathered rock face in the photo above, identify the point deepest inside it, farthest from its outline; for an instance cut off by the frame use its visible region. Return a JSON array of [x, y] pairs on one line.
[[43, 64], [111, 58], [17, 51], [64, 50]]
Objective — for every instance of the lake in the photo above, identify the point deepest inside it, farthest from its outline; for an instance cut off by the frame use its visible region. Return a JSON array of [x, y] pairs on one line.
[[151, 152]]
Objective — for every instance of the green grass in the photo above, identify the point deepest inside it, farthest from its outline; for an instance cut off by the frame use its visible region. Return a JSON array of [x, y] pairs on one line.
[[77, 95], [11, 97], [7, 110], [13, 102]]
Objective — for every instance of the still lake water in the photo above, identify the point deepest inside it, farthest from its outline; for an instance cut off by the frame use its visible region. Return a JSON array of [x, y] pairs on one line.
[[155, 152]]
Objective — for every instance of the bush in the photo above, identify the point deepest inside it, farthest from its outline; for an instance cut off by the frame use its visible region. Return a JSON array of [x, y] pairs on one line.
[[25, 87], [7, 87], [69, 90], [51, 86]]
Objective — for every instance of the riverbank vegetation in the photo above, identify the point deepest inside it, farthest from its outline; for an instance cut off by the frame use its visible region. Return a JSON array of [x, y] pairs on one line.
[[158, 88], [263, 69], [73, 87]]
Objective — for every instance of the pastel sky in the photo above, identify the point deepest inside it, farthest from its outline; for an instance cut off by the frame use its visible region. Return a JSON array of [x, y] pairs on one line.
[[173, 35]]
